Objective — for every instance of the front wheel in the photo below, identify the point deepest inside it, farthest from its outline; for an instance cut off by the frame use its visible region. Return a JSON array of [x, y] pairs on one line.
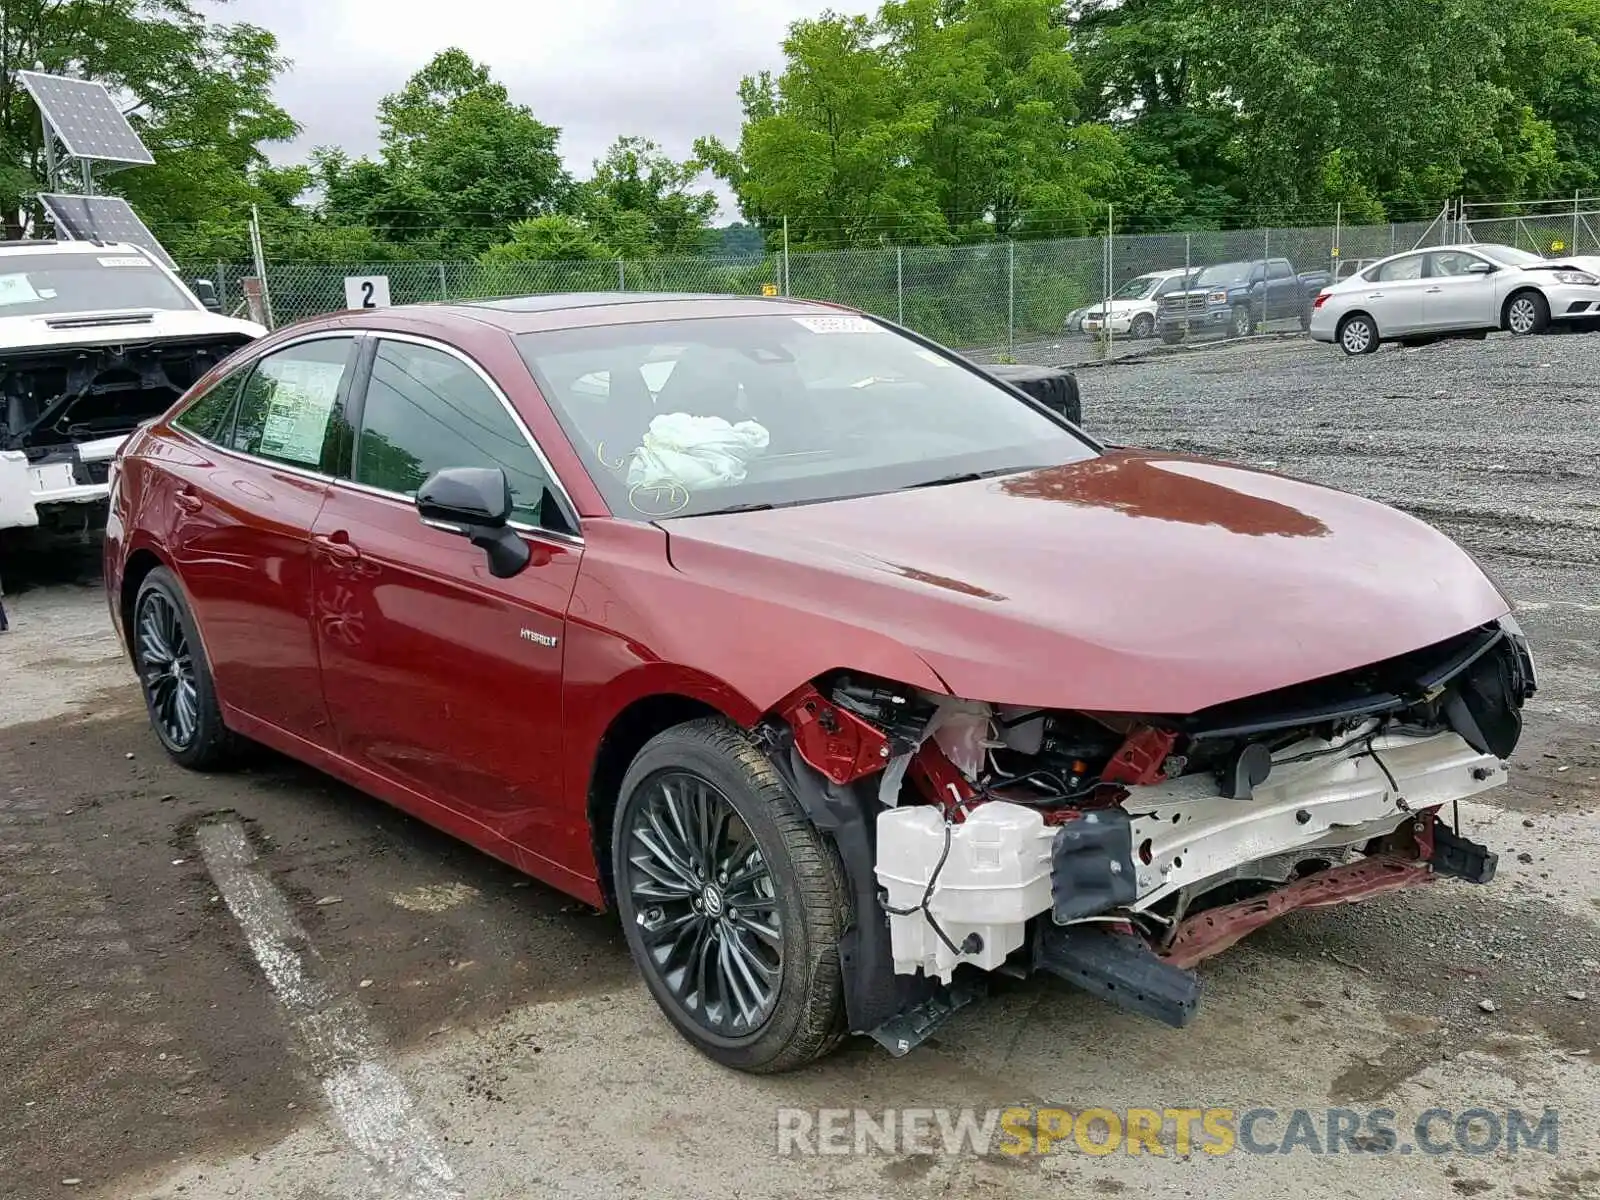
[[175, 676], [1242, 323], [731, 900], [1143, 326], [1526, 313]]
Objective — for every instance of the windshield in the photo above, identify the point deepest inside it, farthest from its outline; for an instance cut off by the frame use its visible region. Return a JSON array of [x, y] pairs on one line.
[[35, 285], [1237, 272], [683, 418], [1136, 289], [1509, 255]]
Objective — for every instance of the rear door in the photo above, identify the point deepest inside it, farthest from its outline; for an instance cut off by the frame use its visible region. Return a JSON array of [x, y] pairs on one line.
[[1283, 290], [440, 677], [243, 504], [1456, 298], [1396, 297]]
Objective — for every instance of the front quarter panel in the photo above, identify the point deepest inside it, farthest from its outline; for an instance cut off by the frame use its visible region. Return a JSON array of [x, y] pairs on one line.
[[636, 628]]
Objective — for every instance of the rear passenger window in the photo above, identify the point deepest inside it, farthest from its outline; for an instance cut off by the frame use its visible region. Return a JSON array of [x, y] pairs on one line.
[[205, 417], [1400, 268], [288, 407], [425, 411]]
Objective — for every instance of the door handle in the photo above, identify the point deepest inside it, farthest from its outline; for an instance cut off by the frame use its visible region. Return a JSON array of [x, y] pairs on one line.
[[336, 547], [1431, 291], [187, 500], [1374, 295]]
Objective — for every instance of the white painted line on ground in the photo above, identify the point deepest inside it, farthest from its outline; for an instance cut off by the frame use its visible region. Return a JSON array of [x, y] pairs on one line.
[[371, 1102]]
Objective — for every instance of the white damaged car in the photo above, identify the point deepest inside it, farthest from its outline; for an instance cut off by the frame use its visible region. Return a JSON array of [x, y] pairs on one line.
[[1455, 291], [95, 338]]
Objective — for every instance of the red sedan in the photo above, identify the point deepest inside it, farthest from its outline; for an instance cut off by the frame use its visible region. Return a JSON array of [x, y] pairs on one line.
[[847, 673]]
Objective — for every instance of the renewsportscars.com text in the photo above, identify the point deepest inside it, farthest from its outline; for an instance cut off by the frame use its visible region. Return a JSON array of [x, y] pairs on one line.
[[1177, 1132]]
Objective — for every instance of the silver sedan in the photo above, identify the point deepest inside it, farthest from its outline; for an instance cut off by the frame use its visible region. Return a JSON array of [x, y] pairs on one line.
[[1452, 291]]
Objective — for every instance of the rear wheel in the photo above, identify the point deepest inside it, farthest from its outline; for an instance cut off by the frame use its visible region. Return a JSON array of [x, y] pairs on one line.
[[179, 692], [1358, 335], [731, 900], [1526, 313]]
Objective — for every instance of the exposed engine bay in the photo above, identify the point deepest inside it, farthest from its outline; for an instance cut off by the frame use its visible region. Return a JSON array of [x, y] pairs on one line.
[[1118, 850], [54, 398]]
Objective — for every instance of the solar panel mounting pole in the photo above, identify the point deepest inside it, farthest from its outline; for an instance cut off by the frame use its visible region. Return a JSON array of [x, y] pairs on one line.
[[48, 140]]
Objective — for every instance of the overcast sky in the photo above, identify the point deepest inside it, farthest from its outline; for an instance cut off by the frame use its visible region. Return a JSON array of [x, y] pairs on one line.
[[668, 70]]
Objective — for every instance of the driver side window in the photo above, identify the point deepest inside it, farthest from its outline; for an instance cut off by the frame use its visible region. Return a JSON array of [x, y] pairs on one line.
[[426, 410]]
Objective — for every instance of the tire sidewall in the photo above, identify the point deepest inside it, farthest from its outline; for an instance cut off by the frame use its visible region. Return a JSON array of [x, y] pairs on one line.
[[668, 753], [163, 581]]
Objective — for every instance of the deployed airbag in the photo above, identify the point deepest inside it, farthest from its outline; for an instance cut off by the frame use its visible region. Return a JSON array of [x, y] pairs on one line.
[[691, 452]]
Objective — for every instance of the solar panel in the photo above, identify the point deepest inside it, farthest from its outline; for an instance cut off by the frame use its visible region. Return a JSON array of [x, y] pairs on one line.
[[85, 118], [102, 219]]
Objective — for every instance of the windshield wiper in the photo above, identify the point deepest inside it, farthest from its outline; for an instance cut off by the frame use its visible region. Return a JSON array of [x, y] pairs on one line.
[[969, 477]]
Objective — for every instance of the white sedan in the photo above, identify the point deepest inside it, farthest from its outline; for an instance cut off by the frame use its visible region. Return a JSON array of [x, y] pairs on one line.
[[1450, 291]]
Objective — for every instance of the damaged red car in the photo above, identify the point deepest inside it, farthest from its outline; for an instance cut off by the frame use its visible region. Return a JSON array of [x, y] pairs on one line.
[[845, 672]]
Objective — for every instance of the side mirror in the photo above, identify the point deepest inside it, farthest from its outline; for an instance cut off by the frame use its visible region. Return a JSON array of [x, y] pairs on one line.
[[475, 503], [206, 292], [1480, 268]]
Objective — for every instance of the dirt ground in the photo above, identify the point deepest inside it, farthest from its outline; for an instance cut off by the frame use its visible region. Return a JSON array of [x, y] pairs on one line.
[[144, 1054]]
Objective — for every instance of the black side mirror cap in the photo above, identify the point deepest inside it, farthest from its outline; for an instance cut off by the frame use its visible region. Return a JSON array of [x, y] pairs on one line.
[[206, 292], [475, 502]]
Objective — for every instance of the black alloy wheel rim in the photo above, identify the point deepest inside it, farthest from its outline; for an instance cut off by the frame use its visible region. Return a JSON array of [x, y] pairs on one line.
[[166, 669], [703, 905]]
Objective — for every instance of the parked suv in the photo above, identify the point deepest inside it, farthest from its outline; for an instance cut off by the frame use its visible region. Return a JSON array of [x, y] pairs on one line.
[[1234, 299], [1133, 306]]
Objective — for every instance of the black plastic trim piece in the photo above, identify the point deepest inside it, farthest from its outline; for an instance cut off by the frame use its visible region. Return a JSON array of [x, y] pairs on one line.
[[1119, 968], [1091, 865], [1461, 858]]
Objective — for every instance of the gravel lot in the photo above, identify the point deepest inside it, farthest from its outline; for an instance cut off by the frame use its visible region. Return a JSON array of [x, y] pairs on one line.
[[144, 1055]]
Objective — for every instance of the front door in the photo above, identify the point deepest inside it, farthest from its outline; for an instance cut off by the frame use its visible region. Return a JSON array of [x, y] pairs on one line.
[[244, 505], [439, 676]]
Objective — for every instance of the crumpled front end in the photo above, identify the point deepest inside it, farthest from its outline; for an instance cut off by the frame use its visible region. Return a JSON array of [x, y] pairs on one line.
[[1119, 850]]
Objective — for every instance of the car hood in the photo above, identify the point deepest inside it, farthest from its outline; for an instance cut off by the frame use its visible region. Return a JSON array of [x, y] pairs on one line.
[[118, 327], [1132, 582]]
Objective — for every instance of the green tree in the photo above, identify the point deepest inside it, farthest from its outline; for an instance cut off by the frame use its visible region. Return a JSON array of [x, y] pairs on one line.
[[642, 203], [460, 163], [554, 238]]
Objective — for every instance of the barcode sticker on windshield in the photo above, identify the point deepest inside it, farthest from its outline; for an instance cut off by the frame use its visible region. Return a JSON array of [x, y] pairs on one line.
[[125, 261], [840, 325]]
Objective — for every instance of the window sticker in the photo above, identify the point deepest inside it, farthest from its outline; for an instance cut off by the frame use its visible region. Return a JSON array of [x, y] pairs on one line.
[[15, 289], [127, 260], [840, 325], [297, 412]]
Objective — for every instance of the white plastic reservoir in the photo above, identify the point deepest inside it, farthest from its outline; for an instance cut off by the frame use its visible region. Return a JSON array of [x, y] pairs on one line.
[[997, 876]]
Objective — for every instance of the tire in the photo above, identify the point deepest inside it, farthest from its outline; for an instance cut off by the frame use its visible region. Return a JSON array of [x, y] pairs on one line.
[[1143, 326], [663, 886], [1171, 337], [1527, 312], [179, 693], [1242, 323], [1358, 334], [1305, 319]]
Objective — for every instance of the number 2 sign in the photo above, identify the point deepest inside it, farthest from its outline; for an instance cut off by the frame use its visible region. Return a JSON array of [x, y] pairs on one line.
[[366, 291]]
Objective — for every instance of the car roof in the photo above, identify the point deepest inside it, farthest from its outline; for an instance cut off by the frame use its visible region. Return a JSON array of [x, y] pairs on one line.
[[569, 310], [72, 247]]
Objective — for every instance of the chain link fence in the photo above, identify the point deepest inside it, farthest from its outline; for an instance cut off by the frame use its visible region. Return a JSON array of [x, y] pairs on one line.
[[997, 300]]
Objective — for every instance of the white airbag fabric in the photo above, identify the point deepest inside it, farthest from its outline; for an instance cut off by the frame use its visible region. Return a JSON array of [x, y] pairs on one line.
[[695, 452]]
